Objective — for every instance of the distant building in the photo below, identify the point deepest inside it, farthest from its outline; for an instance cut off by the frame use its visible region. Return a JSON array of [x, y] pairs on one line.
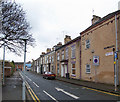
[[19, 65], [28, 66]]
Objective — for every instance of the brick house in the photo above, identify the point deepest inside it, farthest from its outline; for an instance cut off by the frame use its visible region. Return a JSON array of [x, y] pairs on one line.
[[19, 65], [68, 58], [98, 44]]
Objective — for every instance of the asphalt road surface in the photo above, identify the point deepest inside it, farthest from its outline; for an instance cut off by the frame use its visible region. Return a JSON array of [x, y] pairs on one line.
[[58, 91]]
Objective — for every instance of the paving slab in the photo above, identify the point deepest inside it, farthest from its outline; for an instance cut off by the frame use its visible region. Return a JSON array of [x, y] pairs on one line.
[[12, 90]]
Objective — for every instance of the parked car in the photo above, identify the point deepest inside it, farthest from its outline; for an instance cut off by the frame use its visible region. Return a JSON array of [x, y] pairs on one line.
[[49, 75]]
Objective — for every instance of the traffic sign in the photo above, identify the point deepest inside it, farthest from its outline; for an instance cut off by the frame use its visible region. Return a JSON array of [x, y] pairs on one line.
[[96, 60]]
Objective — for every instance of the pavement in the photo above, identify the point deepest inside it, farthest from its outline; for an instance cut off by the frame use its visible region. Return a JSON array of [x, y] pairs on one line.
[[93, 85], [12, 90]]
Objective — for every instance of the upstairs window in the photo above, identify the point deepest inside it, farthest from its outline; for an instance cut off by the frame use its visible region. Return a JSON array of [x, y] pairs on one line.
[[73, 51], [58, 56], [62, 54], [52, 59], [87, 44], [66, 53]]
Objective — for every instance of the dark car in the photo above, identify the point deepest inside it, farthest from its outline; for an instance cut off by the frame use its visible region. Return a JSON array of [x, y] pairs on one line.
[[49, 75]]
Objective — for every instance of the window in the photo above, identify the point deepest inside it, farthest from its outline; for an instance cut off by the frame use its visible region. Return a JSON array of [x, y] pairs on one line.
[[87, 68], [73, 51], [87, 44], [62, 54], [66, 53], [52, 59], [58, 56], [73, 69], [58, 69], [47, 59], [41, 60]]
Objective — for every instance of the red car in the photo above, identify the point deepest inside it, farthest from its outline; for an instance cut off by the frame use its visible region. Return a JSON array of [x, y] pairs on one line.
[[49, 75]]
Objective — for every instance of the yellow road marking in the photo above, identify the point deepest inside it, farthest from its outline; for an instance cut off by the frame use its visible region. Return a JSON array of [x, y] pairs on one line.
[[103, 92], [32, 95], [31, 91], [35, 95]]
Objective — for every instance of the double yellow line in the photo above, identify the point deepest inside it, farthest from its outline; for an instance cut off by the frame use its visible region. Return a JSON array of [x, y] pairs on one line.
[[102, 92], [33, 95]]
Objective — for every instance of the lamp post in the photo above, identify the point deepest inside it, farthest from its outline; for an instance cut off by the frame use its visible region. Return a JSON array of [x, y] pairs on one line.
[[23, 91], [3, 62]]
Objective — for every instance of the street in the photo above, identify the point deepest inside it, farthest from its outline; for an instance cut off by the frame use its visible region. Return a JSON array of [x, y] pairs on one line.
[[59, 91]]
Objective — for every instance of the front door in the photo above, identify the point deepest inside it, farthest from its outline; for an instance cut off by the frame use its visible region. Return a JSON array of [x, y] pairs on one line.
[[62, 70], [65, 69]]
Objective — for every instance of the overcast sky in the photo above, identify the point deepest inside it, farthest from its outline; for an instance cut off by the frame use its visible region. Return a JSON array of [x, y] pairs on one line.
[[51, 20]]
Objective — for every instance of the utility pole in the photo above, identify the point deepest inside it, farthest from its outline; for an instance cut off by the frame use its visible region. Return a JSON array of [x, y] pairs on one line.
[[23, 92], [3, 62]]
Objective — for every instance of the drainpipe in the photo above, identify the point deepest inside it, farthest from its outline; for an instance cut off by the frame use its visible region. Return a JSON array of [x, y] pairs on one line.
[[80, 58], [116, 58]]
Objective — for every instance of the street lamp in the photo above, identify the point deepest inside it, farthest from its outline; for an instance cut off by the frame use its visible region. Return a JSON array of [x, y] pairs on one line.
[[23, 92], [2, 36]]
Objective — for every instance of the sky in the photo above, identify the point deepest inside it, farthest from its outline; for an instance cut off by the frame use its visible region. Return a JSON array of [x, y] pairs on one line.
[[51, 20]]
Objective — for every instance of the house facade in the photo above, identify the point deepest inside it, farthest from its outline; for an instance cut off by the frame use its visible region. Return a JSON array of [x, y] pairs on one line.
[[19, 65], [98, 44], [68, 58], [92, 56]]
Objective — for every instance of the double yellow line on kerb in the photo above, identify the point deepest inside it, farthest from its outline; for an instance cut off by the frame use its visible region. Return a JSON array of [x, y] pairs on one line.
[[33, 95], [103, 92]]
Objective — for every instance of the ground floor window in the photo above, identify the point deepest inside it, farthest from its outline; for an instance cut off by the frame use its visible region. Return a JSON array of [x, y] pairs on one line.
[[73, 71], [88, 68]]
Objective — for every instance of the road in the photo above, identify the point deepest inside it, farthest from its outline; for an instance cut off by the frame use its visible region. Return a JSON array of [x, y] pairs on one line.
[[57, 91]]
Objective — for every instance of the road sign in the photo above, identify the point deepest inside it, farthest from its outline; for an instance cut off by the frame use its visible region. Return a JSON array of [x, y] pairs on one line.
[[96, 60], [115, 55]]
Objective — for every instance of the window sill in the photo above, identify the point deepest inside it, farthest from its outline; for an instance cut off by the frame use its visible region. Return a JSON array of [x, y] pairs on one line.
[[73, 75], [88, 72], [73, 58]]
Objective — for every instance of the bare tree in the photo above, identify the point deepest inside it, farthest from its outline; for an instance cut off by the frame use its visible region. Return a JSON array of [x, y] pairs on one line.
[[14, 27]]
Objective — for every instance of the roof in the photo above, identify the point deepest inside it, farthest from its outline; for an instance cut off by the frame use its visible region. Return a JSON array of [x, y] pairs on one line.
[[19, 63], [77, 38], [102, 20]]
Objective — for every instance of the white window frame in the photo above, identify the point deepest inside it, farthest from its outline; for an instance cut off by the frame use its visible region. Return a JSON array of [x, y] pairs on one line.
[[52, 59], [73, 69], [58, 56], [87, 44], [62, 54], [88, 68]]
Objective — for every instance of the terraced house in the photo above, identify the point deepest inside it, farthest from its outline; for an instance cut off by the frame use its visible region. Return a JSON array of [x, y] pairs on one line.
[[98, 47], [68, 58], [92, 56], [48, 63]]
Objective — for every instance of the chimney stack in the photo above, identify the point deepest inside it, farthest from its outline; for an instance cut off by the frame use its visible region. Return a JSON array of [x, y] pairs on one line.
[[48, 50], [95, 19], [43, 53], [67, 39]]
